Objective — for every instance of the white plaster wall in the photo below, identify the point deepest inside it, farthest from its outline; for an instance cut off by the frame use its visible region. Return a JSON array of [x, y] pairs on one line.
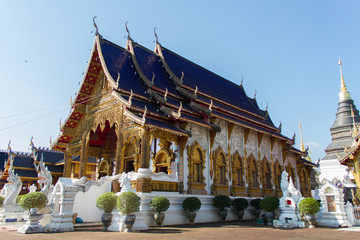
[[221, 137], [265, 148], [277, 154], [331, 169], [202, 136], [290, 159], [176, 215], [251, 145], [237, 141], [85, 202]]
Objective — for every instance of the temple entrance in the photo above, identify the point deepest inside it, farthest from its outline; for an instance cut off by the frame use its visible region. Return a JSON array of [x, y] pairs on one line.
[[129, 165]]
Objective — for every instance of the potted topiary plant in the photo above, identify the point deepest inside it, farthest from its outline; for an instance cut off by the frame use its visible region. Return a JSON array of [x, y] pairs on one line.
[[18, 198], [222, 202], [159, 205], [240, 204], [269, 204], [309, 207], [254, 203], [33, 201], [1, 201], [191, 205], [128, 203], [106, 202]]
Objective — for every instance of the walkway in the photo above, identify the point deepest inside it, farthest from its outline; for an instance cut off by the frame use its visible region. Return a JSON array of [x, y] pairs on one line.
[[219, 231]]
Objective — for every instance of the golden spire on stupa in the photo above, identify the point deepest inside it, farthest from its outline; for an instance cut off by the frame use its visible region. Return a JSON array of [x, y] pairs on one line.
[[344, 94]]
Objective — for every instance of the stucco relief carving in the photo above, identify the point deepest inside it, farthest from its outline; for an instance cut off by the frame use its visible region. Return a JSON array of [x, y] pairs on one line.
[[251, 144], [220, 138], [198, 134], [236, 141], [265, 148], [276, 151]]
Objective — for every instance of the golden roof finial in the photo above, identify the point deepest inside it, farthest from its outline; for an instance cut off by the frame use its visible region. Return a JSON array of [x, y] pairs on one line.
[[302, 148], [344, 94], [157, 40], [355, 131], [127, 30]]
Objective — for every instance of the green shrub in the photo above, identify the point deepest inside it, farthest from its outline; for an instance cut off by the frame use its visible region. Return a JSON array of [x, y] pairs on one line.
[[255, 203], [309, 206], [269, 204], [191, 204], [240, 204], [128, 203], [160, 204], [221, 202], [33, 200], [1, 201], [107, 202], [18, 198]]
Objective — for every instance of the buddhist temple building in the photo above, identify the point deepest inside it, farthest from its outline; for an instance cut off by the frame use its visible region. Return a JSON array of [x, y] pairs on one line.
[[180, 127], [343, 132]]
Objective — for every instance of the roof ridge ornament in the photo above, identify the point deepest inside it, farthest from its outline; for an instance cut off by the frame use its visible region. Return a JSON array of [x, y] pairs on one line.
[[182, 77], [153, 79], [117, 81], [127, 30], [242, 80], [280, 126], [9, 147], [96, 27], [144, 116], [165, 95], [130, 97], [157, 39], [32, 145], [196, 90], [255, 95], [178, 114]]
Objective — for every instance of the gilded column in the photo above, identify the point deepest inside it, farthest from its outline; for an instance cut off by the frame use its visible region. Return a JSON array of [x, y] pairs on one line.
[[84, 154], [119, 145], [67, 163], [357, 172], [143, 182]]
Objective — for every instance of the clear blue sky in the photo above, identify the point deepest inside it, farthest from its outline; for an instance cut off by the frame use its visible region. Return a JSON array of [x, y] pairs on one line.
[[286, 50]]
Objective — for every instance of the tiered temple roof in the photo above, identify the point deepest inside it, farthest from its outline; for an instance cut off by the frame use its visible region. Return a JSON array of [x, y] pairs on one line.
[[161, 90], [24, 164]]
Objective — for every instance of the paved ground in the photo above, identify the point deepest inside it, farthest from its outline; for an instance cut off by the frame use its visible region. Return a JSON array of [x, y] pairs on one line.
[[219, 231]]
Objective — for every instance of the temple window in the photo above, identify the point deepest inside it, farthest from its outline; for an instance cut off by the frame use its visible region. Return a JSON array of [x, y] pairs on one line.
[[163, 157], [253, 174], [267, 176], [221, 164], [238, 172], [129, 157], [278, 175], [196, 164]]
